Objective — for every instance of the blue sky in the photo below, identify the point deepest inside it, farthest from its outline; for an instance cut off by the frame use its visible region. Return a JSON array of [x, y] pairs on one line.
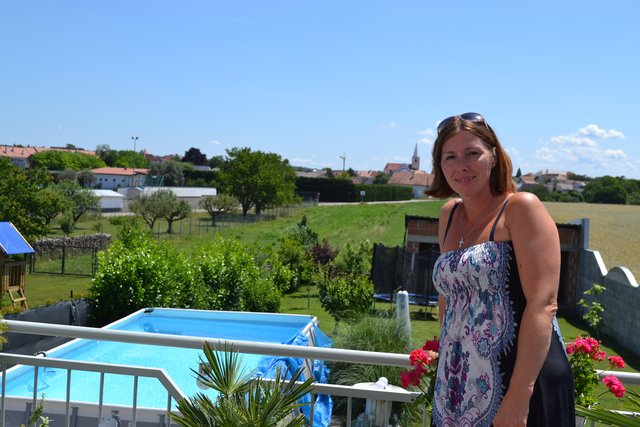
[[313, 80]]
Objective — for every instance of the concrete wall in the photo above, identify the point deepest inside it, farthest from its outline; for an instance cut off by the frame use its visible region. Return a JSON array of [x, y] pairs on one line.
[[621, 299]]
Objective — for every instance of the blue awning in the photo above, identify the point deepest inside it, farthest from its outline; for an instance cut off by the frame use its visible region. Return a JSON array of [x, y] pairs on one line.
[[12, 242]]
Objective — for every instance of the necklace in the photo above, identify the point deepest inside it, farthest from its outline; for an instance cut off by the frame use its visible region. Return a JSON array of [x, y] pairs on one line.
[[475, 224]]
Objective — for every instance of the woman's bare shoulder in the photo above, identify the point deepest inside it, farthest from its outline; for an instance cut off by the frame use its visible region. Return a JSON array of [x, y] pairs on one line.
[[446, 209], [526, 208]]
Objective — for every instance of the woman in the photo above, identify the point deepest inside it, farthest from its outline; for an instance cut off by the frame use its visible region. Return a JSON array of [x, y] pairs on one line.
[[501, 359]]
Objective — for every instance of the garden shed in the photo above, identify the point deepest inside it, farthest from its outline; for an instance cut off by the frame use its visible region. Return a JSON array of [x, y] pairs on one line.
[[421, 243], [12, 272], [110, 201]]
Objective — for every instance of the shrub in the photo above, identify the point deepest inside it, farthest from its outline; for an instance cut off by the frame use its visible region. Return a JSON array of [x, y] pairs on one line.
[[355, 260], [135, 272], [226, 268], [346, 297], [67, 224], [261, 295]]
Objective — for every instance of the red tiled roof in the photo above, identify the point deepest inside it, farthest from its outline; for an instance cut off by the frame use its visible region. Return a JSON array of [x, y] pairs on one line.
[[26, 152], [120, 171], [411, 178]]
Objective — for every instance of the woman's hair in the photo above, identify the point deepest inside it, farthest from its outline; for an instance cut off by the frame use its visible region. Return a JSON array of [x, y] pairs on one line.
[[501, 180]]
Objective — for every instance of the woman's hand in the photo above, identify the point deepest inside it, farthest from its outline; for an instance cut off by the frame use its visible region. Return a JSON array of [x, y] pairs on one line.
[[513, 411]]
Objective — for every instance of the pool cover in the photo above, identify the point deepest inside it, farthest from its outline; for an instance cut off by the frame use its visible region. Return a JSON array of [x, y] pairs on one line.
[[324, 404]]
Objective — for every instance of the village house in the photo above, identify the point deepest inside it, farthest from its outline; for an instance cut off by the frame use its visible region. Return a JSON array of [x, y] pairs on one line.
[[110, 178], [410, 175], [551, 180], [20, 155]]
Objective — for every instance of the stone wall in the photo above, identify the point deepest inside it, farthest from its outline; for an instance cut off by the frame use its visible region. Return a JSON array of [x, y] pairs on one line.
[[51, 245]]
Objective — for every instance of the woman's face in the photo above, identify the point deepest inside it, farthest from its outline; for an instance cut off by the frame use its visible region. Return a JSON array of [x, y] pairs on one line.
[[467, 163]]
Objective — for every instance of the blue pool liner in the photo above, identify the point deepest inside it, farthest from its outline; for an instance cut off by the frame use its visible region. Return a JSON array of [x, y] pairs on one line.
[[324, 404]]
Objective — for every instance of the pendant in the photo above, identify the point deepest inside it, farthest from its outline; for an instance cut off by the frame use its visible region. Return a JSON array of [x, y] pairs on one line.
[[461, 242]]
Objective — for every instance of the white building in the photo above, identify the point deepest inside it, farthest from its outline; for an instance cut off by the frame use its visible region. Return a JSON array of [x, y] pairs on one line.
[[191, 195], [113, 178], [110, 201]]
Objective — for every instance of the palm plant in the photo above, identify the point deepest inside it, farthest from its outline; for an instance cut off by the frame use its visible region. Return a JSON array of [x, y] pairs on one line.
[[242, 400], [610, 417]]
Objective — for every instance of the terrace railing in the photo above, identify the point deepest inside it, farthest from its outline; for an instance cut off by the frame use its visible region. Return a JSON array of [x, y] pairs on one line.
[[330, 354], [173, 391]]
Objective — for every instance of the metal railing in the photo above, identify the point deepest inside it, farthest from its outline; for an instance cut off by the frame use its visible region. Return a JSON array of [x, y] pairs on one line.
[[172, 389], [329, 354]]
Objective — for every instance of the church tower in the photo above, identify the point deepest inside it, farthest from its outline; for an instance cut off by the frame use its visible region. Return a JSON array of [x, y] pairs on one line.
[[415, 160]]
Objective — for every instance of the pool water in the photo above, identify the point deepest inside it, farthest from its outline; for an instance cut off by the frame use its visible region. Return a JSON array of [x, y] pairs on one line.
[[177, 362]]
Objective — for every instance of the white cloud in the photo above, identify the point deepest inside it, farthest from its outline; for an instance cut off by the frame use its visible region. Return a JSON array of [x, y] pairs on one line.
[[582, 153], [545, 154], [428, 132], [616, 154], [215, 142], [595, 130], [298, 160], [574, 140], [390, 125], [425, 141]]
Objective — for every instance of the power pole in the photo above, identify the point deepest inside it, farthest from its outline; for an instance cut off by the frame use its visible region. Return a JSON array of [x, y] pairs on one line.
[[135, 139], [343, 157]]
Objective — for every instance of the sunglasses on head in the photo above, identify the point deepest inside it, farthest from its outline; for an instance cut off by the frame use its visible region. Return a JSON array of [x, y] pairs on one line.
[[471, 117]]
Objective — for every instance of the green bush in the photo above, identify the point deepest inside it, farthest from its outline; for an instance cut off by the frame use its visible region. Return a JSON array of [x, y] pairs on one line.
[[138, 271], [383, 192], [226, 268], [261, 295], [135, 272], [355, 260], [346, 297]]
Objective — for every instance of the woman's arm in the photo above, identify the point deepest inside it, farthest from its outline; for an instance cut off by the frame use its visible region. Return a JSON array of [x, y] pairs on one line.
[[537, 250]]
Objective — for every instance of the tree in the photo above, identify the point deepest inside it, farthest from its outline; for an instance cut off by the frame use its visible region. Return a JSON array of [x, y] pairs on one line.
[[195, 157], [218, 205], [171, 171], [160, 204], [86, 178], [131, 159], [82, 200], [382, 178], [19, 200], [216, 162], [51, 203], [59, 160], [179, 210], [67, 175], [148, 207], [107, 155], [606, 189], [258, 180]]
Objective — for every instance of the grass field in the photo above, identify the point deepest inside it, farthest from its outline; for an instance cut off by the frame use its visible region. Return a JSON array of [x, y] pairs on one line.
[[614, 230]]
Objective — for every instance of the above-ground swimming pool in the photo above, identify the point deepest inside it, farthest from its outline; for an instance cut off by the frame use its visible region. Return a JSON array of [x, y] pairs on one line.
[[179, 363]]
